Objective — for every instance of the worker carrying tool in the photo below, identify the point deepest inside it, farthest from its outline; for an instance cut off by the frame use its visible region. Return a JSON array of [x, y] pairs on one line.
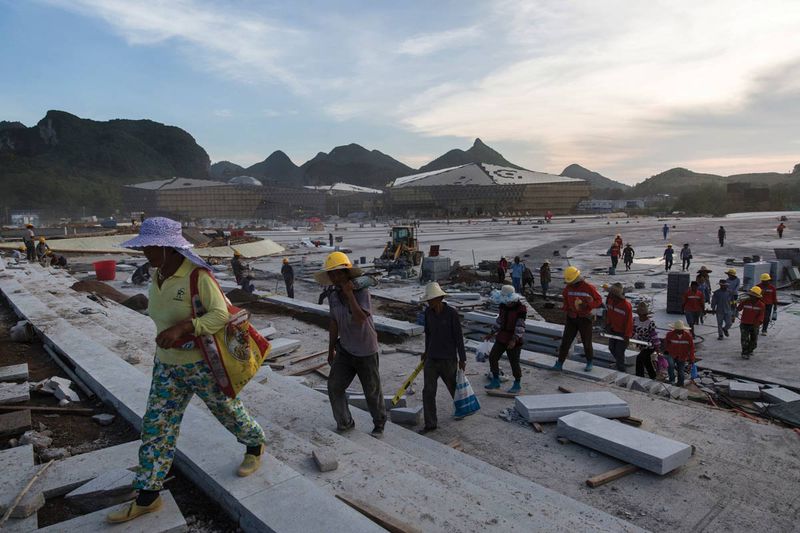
[[444, 351]]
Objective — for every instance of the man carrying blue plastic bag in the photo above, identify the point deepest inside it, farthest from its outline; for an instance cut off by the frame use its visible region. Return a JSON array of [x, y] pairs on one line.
[[445, 356]]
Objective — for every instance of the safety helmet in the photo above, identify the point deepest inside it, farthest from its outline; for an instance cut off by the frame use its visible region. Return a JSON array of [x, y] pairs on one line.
[[285, 260], [571, 274], [765, 277], [237, 253], [21, 248], [41, 239], [756, 291], [730, 272], [336, 261]]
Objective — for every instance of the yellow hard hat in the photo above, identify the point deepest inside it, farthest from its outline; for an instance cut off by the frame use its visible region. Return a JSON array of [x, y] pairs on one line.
[[285, 260], [766, 277], [756, 291], [21, 248], [571, 274], [336, 261], [731, 271], [41, 239], [237, 253]]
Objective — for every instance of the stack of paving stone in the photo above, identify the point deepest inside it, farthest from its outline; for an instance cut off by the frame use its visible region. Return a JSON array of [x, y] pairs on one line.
[[677, 285]]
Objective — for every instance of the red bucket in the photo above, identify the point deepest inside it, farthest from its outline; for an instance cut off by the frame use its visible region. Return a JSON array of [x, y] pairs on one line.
[[105, 270]]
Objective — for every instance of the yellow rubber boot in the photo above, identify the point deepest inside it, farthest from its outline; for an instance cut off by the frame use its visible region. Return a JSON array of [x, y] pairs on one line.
[[250, 464], [131, 511]]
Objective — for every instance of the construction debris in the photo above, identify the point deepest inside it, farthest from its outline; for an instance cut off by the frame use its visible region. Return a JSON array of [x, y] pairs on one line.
[[14, 372], [325, 458]]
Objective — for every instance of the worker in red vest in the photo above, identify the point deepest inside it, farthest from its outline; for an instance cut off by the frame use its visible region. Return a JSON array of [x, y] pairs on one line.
[[769, 295], [580, 298], [694, 304], [752, 309], [679, 350], [619, 322]]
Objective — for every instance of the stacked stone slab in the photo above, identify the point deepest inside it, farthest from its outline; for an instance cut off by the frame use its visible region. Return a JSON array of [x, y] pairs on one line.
[[779, 395], [550, 407], [633, 445], [738, 389]]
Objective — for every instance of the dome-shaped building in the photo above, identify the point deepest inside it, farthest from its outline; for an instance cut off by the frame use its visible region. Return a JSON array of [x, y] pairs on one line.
[[245, 180]]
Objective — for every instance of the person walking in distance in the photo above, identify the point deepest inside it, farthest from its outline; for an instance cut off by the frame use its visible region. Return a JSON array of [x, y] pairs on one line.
[[721, 307], [352, 343], [544, 277], [780, 229], [686, 257], [693, 305], [769, 295], [644, 329], [628, 253], [721, 236], [752, 309], [679, 350], [444, 351], [619, 322], [508, 331], [288, 277], [614, 252], [517, 269], [669, 257], [502, 268], [665, 231], [580, 298]]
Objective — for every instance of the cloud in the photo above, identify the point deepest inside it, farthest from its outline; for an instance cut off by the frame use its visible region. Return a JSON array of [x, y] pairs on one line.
[[237, 44], [223, 113], [429, 43]]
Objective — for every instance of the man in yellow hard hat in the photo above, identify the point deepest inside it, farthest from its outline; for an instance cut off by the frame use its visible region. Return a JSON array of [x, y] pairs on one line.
[[41, 249], [580, 299], [352, 343], [19, 253], [769, 295], [241, 272], [752, 309], [288, 277], [28, 241]]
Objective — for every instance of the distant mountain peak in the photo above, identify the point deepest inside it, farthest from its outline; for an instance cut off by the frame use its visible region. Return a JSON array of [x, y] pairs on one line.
[[595, 179], [480, 152]]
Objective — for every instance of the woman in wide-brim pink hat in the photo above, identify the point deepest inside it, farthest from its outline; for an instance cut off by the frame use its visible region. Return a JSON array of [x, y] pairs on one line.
[[179, 370]]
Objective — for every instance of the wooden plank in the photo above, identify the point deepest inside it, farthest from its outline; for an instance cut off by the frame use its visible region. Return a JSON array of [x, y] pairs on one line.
[[537, 427], [305, 369], [501, 394], [299, 358], [630, 420], [14, 372], [563, 389], [456, 445], [324, 371], [15, 422], [611, 475], [46, 409], [562, 440], [387, 522]]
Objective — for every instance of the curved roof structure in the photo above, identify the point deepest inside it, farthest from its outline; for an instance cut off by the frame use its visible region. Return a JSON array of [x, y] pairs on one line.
[[245, 180], [478, 174]]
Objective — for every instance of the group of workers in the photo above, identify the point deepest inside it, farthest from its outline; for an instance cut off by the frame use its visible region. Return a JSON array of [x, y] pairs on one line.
[[244, 277], [522, 276], [37, 250]]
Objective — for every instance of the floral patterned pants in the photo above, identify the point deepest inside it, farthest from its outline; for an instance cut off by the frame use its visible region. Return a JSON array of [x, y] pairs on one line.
[[172, 388]]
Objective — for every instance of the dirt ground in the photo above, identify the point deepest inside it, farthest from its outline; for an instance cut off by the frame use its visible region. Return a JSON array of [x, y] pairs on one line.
[[79, 434]]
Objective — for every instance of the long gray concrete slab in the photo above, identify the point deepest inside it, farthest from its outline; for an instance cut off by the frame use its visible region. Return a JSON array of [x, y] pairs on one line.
[[644, 449], [550, 407], [382, 323]]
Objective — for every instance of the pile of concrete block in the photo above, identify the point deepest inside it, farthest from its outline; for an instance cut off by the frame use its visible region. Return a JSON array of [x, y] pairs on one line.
[[635, 446], [436, 268], [59, 387], [550, 407]]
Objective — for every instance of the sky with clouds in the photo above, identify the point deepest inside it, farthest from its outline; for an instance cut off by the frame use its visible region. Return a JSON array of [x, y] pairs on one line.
[[623, 87]]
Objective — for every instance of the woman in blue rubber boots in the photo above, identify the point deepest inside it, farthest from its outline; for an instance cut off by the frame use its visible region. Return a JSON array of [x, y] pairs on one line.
[[507, 331]]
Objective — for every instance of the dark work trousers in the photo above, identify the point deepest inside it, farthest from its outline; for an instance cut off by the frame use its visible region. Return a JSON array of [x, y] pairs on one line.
[[346, 367], [767, 316], [617, 349], [749, 338], [680, 368], [289, 287], [30, 251], [513, 358], [668, 263], [432, 371], [501, 275], [572, 327], [628, 265], [685, 264], [614, 261], [644, 361]]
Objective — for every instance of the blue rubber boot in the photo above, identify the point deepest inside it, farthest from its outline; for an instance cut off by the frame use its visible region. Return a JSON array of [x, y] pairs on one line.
[[515, 388], [494, 383], [588, 367], [558, 366]]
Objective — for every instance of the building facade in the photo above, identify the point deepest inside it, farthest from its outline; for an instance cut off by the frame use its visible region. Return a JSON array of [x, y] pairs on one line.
[[483, 190]]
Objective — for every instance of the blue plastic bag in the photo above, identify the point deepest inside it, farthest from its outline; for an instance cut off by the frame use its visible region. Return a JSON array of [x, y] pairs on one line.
[[465, 401], [694, 372], [482, 351]]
